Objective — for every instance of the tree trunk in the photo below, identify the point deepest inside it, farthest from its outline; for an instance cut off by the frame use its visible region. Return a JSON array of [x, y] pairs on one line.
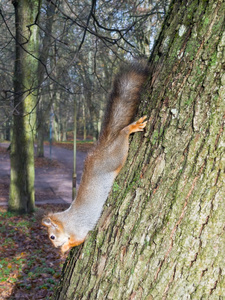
[[40, 129], [74, 181], [46, 44], [22, 197], [84, 121], [161, 235]]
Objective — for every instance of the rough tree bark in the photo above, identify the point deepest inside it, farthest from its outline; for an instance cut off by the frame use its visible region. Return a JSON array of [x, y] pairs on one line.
[[161, 235], [22, 197]]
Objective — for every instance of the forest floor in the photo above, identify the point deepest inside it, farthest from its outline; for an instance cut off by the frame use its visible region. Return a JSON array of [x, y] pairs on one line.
[[30, 266]]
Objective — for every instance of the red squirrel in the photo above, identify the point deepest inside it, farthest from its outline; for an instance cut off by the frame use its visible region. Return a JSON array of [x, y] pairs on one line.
[[69, 228]]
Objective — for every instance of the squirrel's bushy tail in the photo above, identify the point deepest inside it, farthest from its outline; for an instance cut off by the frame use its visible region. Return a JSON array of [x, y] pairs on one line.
[[124, 98]]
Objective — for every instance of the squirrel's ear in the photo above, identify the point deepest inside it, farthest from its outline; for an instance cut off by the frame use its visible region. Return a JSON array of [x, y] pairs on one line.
[[48, 222]]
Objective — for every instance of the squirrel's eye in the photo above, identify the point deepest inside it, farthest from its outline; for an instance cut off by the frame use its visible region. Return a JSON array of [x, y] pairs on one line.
[[52, 237]]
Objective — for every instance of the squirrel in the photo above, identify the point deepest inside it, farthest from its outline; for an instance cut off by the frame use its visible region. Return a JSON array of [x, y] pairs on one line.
[[69, 228]]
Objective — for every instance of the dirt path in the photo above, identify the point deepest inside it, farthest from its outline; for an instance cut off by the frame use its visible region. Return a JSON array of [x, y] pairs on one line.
[[52, 184]]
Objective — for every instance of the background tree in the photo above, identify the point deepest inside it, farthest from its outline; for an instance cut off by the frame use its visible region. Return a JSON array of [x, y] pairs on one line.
[[24, 117], [42, 68], [161, 235], [7, 55]]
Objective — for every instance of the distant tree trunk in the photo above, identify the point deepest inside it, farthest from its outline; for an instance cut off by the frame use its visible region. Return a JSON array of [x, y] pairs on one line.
[[56, 120], [22, 197], [64, 131], [40, 129], [84, 121], [161, 235], [47, 40], [74, 181]]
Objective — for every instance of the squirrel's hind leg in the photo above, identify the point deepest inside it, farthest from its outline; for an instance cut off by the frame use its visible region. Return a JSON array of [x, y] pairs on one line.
[[139, 125]]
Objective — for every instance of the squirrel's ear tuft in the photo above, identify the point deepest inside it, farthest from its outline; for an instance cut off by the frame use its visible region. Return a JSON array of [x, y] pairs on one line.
[[49, 221], [46, 222]]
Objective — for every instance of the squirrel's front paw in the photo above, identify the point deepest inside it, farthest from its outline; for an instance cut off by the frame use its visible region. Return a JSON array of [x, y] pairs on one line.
[[66, 247], [139, 125], [70, 244]]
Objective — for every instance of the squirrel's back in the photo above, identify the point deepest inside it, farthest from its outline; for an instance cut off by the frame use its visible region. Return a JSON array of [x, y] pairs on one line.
[[124, 98]]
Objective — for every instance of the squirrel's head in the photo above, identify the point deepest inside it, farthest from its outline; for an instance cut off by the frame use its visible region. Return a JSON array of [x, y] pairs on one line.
[[56, 231]]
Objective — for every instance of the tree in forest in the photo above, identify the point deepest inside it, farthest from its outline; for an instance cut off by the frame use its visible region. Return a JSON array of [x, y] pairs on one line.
[[24, 116], [6, 70], [41, 73], [161, 235]]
